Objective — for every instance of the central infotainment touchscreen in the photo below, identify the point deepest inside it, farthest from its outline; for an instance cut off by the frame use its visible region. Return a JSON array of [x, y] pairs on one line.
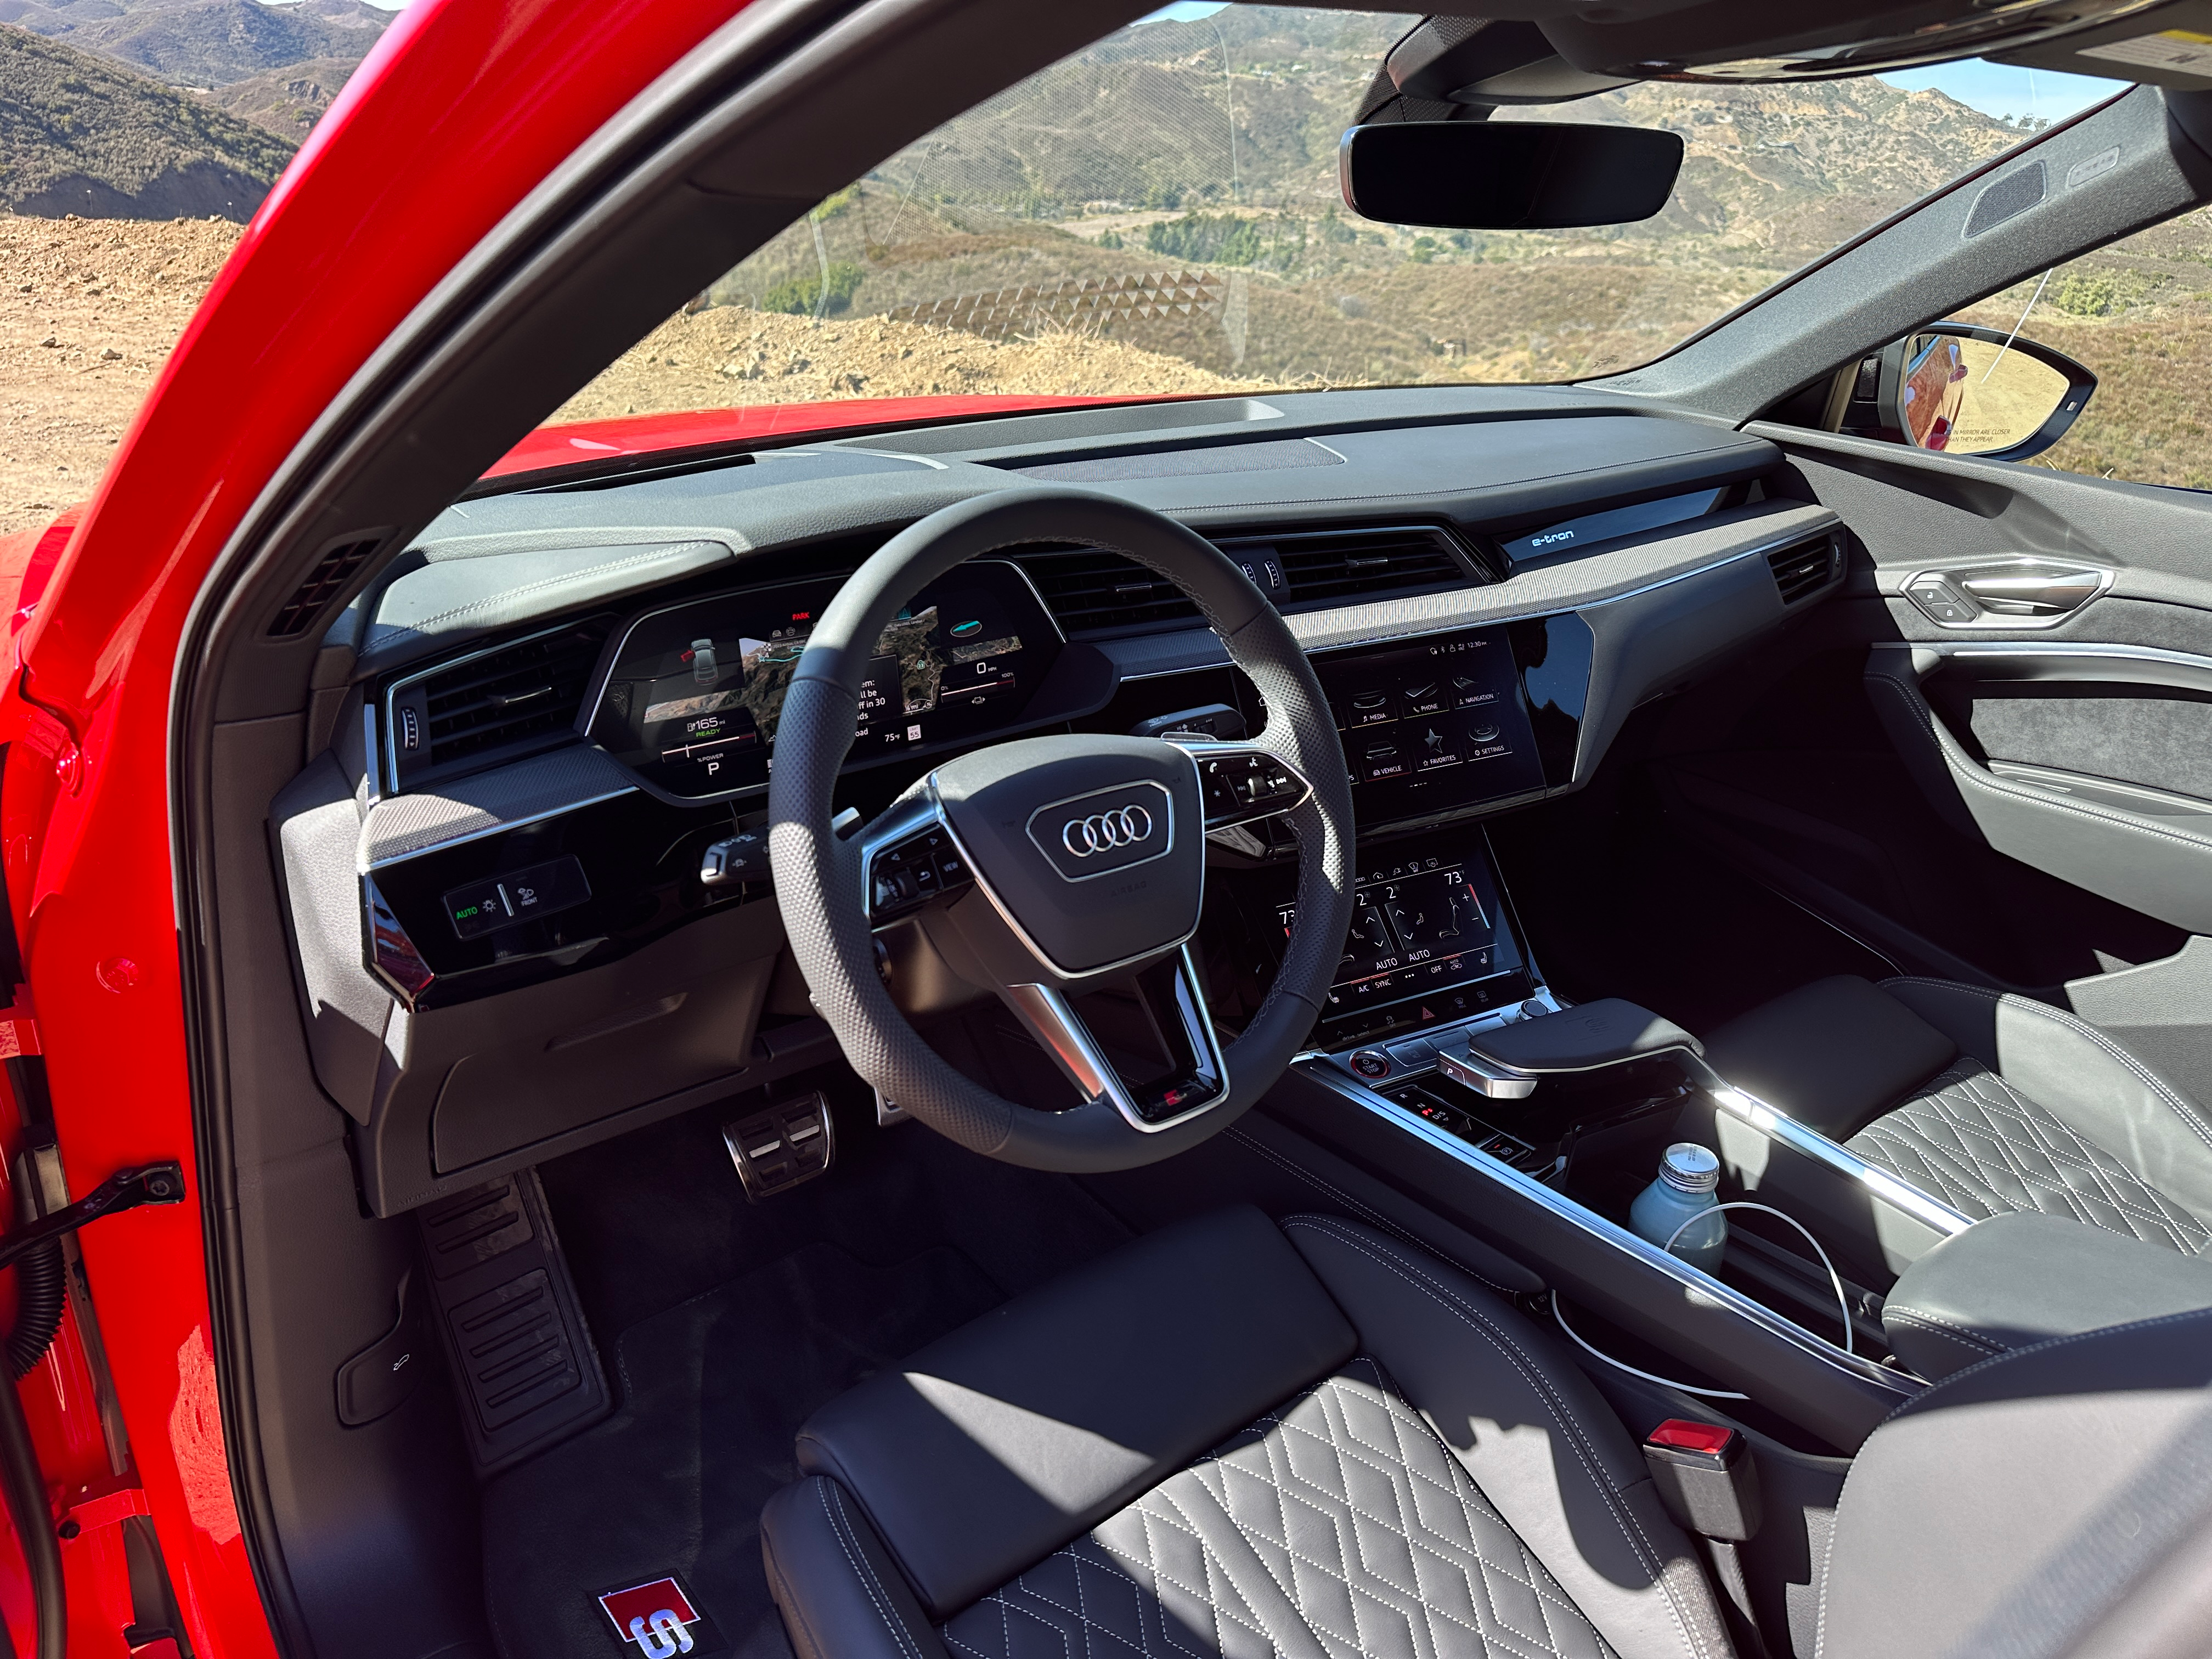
[[1431, 726]]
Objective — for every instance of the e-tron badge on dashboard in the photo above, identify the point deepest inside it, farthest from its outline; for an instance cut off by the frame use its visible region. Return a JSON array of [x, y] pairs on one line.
[[1106, 831]]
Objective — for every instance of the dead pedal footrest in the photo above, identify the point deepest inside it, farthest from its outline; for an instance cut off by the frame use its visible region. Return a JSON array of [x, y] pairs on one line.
[[514, 1337]]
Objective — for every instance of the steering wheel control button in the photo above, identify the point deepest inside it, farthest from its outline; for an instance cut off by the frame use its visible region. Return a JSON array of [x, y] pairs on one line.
[[1372, 1063], [485, 907], [907, 875]]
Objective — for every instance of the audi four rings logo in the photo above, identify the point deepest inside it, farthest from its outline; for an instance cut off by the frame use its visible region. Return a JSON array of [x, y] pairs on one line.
[[1103, 831]]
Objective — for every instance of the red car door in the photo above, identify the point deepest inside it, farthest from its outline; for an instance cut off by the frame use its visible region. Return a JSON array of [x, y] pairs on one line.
[[460, 112]]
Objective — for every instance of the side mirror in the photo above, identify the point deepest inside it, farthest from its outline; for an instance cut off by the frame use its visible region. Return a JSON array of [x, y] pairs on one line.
[[1966, 390], [1507, 175]]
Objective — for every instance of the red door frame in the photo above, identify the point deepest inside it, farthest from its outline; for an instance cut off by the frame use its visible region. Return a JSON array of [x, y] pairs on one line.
[[462, 109]]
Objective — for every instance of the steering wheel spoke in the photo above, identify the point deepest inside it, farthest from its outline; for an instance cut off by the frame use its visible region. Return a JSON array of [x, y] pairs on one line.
[[1164, 1003]]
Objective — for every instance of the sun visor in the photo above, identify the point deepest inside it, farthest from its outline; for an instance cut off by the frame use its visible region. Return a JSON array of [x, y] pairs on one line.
[[1755, 40]]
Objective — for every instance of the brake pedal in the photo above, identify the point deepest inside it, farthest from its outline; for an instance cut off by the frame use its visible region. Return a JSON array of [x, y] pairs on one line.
[[776, 1150]]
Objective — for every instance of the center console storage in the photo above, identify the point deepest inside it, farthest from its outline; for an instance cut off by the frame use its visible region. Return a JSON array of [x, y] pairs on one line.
[[1446, 1066]]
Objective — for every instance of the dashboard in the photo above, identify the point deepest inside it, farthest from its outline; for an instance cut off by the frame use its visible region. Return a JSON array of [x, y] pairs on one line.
[[549, 711]]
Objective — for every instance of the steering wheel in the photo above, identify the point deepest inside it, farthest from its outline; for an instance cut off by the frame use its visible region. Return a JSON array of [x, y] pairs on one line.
[[1080, 861]]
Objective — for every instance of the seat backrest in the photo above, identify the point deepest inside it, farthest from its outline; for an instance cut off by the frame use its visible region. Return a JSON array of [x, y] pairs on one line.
[[2051, 1502]]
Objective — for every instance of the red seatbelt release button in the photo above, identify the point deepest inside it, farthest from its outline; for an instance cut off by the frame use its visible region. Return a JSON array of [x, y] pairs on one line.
[[1706, 1477]]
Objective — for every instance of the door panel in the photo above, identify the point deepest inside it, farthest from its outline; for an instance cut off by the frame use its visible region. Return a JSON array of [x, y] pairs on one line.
[[2016, 790], [2156, 861]]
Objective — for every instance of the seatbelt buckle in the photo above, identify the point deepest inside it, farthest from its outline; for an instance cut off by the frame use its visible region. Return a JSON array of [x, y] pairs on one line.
[[1706, 1477]]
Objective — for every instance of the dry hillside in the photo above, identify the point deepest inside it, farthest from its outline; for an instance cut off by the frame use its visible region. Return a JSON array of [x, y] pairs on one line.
[[83, 134], [89, 309]]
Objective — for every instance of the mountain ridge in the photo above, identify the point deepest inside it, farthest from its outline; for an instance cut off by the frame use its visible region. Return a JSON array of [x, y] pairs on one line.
[[79, 133]]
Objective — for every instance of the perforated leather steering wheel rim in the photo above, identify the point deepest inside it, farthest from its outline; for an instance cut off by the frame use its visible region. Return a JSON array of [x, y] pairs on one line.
[[818, 875]]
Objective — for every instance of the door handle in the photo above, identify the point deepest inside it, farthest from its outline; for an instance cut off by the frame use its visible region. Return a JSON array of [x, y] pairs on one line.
[[2031, 593]]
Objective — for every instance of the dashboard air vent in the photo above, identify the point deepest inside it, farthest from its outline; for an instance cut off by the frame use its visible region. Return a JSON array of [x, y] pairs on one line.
[[1340, 566], [1088, 591], [339, 566], [495, 705], [1085, 589], [1804, 567]]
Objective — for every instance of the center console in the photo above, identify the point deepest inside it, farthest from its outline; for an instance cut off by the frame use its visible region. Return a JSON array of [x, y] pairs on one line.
[[1437, 988]]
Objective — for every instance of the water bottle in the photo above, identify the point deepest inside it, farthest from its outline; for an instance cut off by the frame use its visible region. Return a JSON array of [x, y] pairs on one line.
[[1682, 1193]]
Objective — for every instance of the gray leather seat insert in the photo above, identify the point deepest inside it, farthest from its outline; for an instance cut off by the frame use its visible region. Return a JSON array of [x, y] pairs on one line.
[[1995, 1104]]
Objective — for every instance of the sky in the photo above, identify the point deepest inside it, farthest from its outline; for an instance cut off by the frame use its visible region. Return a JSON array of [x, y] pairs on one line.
[[1992, 88]]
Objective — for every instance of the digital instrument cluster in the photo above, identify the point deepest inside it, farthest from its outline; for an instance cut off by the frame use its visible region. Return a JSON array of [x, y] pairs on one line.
[[695, 692]]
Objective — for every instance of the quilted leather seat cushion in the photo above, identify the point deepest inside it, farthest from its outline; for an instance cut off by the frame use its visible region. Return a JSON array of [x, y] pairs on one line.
[[1446, 1485], [1978, 1142], [1336, 1527]]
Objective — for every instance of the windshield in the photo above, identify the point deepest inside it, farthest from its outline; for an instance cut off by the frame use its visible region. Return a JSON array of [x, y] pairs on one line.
[[1159, 214]]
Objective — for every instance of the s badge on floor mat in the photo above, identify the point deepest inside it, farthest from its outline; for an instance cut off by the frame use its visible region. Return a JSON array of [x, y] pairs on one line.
[[657, 1620]]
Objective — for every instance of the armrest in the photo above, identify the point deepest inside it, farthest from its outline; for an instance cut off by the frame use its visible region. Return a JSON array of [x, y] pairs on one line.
[[1584, 1038], [2016, 1280]]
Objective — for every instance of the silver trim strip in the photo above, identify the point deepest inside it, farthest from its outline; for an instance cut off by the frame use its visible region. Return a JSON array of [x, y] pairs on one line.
[[2062, 648], [1780, 1126], [499, 828], [1698, 1283], [1467, 624]]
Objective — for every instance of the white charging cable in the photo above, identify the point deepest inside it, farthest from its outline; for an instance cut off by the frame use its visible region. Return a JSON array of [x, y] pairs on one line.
[[1843, 1303], [1835, 1279], [1622, 1365]]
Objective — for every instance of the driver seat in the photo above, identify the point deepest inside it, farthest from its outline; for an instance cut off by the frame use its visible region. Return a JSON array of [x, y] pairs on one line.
[[1236, 1440]]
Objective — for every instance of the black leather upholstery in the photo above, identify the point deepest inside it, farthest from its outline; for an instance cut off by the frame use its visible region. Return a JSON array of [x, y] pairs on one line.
[[1056, 1473], [2017, 1281], [1583, 1038], [1832, 1053], [2033, 1110], [1339, 1514], [999, 1444]]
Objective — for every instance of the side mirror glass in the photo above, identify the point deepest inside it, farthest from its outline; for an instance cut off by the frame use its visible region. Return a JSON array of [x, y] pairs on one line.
[[1507, 175], [1966, 390]]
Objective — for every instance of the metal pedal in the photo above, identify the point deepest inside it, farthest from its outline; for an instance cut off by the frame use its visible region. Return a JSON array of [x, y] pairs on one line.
[[776, 1149]]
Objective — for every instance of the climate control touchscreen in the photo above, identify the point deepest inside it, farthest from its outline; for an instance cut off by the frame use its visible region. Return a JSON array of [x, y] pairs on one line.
[[1422, 931], [1432, 727]]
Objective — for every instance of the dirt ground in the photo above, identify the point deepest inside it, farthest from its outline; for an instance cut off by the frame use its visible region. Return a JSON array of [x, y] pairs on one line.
[[90, 308], [729, 356]]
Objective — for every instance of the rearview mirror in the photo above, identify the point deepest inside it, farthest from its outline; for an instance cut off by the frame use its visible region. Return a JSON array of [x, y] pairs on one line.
[[1507, 175], [1964, 390]]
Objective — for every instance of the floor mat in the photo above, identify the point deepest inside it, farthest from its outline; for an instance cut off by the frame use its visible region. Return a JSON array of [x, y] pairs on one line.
[[723, 1325], [674, 1482]]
